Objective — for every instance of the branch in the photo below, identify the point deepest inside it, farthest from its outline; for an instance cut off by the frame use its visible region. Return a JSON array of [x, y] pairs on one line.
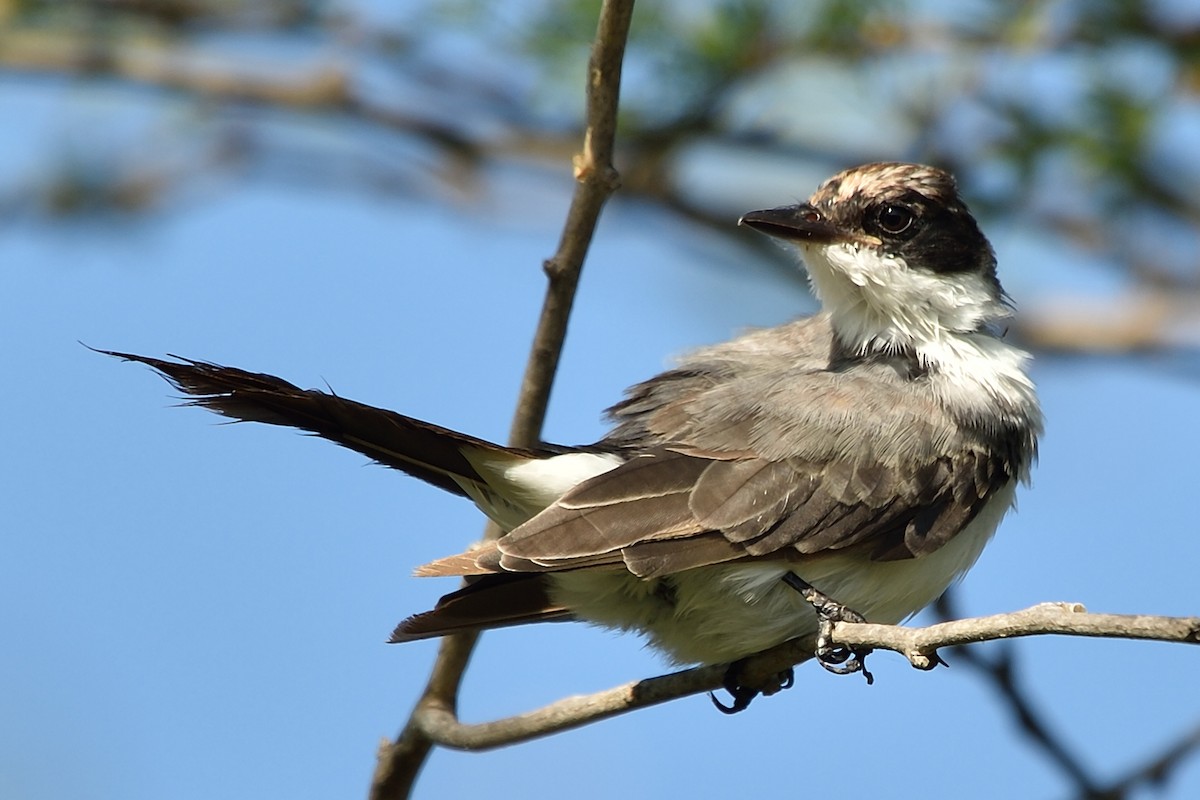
[[918, 645], [1146, 319], [1002, 673], [169, 64], [1154, 772], [401, 761]]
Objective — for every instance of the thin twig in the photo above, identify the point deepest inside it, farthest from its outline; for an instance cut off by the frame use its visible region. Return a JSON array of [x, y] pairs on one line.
[[918, 645], [597, 180], [399, 763], [321, 86], [1002, 673]]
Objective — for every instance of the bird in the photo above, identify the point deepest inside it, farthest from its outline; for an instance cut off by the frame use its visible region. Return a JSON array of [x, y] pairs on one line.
[[848, 465]]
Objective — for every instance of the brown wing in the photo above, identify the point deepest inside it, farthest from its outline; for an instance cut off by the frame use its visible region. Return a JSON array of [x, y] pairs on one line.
[[665, 511], [713, 511], [765, 462], [743, 458]]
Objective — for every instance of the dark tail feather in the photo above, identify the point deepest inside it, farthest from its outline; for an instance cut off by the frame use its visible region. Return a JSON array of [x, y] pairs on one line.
[[493, 601], [426, 451]]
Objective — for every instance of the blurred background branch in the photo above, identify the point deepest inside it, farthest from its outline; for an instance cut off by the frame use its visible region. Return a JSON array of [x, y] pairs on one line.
[[1003, 671], [1073, 122]]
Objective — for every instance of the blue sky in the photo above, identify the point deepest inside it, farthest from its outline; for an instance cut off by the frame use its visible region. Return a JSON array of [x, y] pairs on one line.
[[200, 610]]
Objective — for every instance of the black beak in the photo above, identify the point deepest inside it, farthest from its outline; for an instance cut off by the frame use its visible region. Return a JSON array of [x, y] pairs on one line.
[[801, 223]]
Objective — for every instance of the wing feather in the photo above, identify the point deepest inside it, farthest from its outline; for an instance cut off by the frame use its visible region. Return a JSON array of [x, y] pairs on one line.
[[732, 456]]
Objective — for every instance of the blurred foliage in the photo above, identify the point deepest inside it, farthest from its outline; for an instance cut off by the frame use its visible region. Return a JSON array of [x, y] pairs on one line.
[[167, 15], [692, 53], [1065, 114]]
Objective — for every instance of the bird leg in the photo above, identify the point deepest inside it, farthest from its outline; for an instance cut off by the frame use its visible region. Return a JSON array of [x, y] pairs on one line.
[[837, 659]]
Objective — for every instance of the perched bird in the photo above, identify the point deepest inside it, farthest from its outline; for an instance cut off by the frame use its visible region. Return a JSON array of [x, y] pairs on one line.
[[863, 456]]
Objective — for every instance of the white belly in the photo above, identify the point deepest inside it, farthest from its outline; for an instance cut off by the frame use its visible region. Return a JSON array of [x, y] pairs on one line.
[[725, 612]]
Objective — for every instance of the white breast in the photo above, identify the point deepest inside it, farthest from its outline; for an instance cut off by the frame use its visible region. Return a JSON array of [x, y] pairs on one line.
[[725, 612]]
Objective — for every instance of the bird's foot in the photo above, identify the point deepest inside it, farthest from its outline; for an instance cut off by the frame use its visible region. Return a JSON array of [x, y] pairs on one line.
[[835, 658], [742, 694]]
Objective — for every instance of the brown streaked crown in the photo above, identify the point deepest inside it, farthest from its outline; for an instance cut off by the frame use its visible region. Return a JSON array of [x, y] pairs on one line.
[[911, 211]]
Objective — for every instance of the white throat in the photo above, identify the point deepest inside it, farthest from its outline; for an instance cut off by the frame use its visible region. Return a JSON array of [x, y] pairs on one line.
[[877, 304]]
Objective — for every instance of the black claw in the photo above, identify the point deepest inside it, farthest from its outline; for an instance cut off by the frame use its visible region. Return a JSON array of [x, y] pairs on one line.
[[846, 661], [834, 658], [743, 695], [741, 701]]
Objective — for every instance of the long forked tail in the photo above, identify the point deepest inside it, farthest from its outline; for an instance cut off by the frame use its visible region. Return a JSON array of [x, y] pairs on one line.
[[442, 457], [453, 461]]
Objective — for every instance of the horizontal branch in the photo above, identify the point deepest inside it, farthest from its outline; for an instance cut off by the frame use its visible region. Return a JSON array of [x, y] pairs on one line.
[[918, 645], [324, 84], [440, 723], [1142, 319]]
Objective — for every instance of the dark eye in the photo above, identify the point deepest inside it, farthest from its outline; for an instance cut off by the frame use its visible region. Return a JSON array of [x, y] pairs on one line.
[[894, 219]]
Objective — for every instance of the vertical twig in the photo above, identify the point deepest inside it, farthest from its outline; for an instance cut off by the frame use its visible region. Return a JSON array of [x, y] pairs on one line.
[[400, 762], [597, 179]]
